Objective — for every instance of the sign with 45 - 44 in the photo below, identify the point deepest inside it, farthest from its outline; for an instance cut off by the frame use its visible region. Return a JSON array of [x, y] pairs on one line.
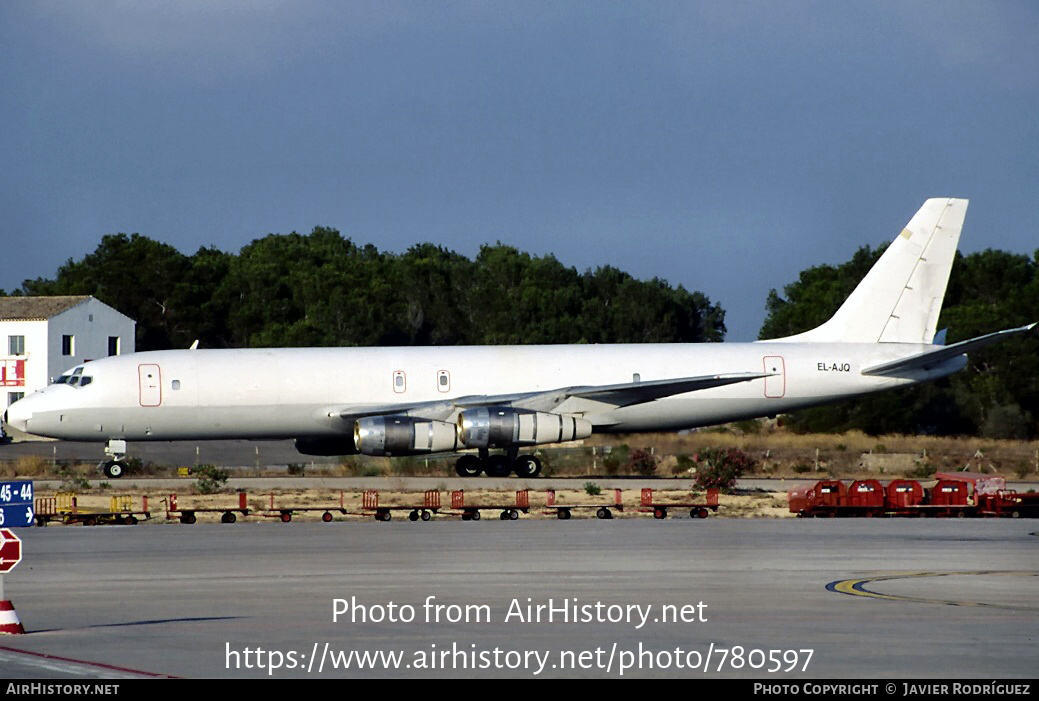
[[16, 504]]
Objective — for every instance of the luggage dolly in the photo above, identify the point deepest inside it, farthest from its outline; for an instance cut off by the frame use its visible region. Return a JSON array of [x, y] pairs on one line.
[[509, 512], [430, 505], [602, 511], [64, 507], [284, 513], [696, 509], [188, 515]]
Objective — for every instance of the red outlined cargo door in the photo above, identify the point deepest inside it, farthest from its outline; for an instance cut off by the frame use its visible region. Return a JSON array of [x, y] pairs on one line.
[[151, 384], [775, 383]]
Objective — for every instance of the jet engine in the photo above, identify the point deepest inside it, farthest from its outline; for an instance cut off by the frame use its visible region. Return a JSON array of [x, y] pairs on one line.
[[403, 435], [500, 427]]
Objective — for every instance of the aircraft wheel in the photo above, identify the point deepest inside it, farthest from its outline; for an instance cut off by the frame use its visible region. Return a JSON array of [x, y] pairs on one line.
[[326, 517], [468, 466], [228, 517], [113, 469], [413, 516], [527, 466], [426, 515], [497, 466]]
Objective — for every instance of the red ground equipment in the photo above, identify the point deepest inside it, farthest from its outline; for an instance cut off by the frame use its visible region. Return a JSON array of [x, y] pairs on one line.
[[696, 509], [188, 516], [284, 513], [430, 505], [602, 511], [866, 498], [509, 512], [902, 496]]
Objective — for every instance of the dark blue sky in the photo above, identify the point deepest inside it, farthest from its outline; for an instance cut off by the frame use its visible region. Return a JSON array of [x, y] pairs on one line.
[[723, 146]]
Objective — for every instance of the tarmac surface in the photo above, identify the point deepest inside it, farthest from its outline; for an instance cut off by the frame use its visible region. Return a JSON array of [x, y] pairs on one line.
[[870, 598]]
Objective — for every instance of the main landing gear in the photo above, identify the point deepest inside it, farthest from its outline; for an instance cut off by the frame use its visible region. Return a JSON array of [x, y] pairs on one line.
[[114, 466], [498, 465]]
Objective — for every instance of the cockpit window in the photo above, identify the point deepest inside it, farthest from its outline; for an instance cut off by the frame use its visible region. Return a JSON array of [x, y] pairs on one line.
[[71, 378], [76, 378]]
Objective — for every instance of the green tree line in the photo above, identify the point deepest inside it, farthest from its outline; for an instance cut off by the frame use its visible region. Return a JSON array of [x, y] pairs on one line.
[[321, 289], [996, 395]]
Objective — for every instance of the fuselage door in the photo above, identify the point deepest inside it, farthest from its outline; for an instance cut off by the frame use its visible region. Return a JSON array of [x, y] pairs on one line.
[[775, 383], [151, 384]]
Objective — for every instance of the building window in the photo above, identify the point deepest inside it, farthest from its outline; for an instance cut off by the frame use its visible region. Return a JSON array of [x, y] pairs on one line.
[[16, 345], [13, 397], [68, 345], [113, 345]]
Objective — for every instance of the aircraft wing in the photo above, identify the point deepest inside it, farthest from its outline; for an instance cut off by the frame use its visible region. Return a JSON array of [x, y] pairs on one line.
[[617, 395], [629, 393], [932, 358]]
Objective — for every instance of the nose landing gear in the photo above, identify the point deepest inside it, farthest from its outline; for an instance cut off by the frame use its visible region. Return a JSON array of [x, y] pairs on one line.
[[115, 465]]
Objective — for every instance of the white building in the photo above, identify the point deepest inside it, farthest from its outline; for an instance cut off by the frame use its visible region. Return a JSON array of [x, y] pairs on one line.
[[43, 336]]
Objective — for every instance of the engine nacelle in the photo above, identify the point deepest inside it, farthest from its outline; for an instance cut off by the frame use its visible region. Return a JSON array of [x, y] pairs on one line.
[[500, 427], [403, 435]]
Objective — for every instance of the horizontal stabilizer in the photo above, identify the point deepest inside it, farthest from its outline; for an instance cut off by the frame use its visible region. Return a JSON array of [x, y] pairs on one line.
[[932, 358]]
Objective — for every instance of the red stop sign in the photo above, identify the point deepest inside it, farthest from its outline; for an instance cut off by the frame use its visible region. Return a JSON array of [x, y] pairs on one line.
[[10, 550]]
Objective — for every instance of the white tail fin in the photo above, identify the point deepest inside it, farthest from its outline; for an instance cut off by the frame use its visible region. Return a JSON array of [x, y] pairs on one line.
[[901, 296]]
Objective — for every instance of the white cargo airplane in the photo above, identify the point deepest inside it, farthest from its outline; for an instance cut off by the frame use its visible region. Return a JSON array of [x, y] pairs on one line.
[[408, 401]]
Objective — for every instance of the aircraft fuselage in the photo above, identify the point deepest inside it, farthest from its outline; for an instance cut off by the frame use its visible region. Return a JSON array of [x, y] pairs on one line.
[[305, 392]]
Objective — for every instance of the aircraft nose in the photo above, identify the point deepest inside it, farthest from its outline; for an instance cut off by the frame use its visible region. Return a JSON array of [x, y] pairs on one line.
[[17, 415]]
